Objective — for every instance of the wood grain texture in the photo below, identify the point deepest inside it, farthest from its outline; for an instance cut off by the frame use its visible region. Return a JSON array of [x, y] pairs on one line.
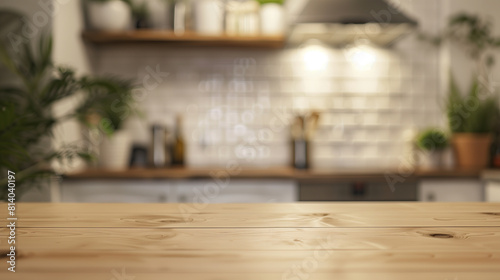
[[259, 215], [214, 261], [460, 239], [345, 275], [446, 241]]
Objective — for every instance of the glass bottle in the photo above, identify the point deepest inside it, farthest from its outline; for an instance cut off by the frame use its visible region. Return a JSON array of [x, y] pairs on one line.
[[178, 152]]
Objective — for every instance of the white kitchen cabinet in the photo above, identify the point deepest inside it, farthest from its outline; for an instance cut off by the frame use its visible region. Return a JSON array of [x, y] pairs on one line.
[[180, 191], [117, 191], [493, 191], [449, 190], [237, 191]]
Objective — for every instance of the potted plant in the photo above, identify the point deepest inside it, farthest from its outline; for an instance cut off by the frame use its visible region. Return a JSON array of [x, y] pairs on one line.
[[472, 121], [110, 15], [27, 118], [272, 17], [140, 14], [472, 118], [433, 142], [108, 104]]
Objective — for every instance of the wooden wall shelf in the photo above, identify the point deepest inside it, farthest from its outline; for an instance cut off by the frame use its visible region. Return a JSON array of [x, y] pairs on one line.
[[271, 173], [187, 39]]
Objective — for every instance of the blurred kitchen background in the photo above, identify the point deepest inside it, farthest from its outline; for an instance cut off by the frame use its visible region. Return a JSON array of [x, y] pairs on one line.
[[247, 101]]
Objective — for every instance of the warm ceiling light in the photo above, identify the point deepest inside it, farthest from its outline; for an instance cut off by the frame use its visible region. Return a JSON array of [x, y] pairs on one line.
[[362, 56], [315, 56]]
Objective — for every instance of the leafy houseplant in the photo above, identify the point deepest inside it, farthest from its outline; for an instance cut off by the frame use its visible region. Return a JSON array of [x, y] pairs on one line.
[[432, 142], [470, 113], [472, 118], [27, 119]]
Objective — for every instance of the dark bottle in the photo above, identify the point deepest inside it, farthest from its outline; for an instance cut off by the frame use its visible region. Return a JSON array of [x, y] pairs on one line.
[[300, 144], [178, 147], [300, 153]]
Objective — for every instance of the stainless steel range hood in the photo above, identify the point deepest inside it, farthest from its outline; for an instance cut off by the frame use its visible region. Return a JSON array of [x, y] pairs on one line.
[[341, 22]]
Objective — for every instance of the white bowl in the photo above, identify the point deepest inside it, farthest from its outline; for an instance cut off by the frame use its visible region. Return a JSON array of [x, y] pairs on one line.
[[113, 15]]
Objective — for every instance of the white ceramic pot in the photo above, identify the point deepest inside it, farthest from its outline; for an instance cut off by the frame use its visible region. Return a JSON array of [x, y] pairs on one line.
[[432, 160], [209, 17], [112, 15], [272, 19], [248, 20], [115, 151]]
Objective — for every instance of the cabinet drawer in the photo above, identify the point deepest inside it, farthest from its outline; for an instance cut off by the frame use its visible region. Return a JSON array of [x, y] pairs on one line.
[[357, 192], [110, 191], [451, 190], [237, 191]]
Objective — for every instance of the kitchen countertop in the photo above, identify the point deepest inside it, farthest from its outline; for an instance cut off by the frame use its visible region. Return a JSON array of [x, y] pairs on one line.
[[255, 241], [272, 173]]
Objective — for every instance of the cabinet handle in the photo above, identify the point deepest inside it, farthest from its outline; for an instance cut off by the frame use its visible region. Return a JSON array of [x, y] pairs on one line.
[[358, 189]]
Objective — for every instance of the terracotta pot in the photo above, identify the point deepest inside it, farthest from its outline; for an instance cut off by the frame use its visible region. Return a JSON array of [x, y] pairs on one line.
[[471, 150]]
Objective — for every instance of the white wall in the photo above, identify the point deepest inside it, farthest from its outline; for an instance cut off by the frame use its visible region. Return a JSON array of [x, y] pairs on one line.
[[238, 103], [69, 48], [69, 51]]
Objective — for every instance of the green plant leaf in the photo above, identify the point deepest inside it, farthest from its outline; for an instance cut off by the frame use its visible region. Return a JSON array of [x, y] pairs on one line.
[[432, 139]]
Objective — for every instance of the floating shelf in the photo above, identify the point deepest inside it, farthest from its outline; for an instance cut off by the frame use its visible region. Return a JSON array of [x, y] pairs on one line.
[[272, 173], [186, 39]]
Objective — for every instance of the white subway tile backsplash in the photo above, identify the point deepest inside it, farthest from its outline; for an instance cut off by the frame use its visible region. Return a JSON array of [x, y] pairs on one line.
[[238, 104]]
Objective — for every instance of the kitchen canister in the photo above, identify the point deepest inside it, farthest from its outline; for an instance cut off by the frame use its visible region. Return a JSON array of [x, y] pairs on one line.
[[232, 17], [272, 19], [209, 17], [113, 15], [159, 14], [248, 20]]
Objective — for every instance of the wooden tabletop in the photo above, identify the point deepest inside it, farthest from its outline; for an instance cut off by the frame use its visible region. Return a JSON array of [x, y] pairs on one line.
[[316, 241]]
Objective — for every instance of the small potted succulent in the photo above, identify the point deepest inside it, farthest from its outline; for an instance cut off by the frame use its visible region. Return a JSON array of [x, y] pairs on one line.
[[432, 142]]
